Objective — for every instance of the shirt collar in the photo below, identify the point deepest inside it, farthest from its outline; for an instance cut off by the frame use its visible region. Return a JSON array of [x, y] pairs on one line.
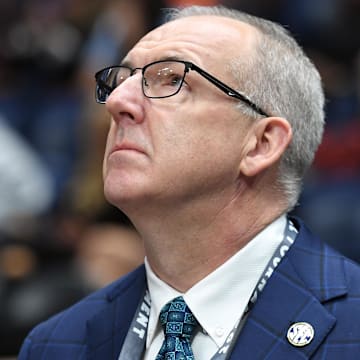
[[219, 300]]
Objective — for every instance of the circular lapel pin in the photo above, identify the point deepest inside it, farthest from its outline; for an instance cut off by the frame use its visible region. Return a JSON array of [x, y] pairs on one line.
[[300, 334]]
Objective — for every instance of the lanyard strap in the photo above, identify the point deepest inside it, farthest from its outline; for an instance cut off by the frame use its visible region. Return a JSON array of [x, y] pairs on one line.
[[134, 344], [289, 237]]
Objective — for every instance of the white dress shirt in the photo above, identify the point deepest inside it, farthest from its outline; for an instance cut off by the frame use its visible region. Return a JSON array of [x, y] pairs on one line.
[[219, 300]]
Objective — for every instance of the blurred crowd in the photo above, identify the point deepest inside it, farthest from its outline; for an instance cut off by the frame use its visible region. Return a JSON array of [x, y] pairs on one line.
[[59, 239]]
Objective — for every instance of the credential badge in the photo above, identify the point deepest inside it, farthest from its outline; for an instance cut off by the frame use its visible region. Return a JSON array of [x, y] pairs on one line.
[[300, 334]]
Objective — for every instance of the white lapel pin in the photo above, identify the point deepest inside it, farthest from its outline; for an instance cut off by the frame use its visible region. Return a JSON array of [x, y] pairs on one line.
[[300, 334]]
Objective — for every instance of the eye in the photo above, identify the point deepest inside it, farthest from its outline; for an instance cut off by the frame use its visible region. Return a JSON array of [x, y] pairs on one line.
[[169, 77], [121, 76], [175, 80]]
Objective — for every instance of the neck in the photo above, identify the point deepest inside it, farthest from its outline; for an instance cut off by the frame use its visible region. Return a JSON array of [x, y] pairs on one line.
[[186, 243]]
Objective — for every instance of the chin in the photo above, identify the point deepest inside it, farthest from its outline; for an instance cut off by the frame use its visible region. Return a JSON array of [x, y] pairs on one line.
[[124, 193], [117, 194]]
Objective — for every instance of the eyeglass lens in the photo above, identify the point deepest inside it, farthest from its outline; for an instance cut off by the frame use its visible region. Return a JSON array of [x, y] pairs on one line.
[[163, 79], [108, 79], [160, 79]]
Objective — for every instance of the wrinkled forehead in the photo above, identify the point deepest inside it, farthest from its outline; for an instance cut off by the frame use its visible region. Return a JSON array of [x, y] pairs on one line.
[[201, 38]]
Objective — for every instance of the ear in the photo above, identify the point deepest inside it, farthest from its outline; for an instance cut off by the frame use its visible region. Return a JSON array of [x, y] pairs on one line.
[[267, 141]]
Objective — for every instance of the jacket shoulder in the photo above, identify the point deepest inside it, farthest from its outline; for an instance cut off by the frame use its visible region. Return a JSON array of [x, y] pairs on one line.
[[70, 325], [335, 281]]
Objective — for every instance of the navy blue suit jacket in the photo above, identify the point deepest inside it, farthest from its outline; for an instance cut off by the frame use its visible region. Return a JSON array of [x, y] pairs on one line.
[[313, 283]]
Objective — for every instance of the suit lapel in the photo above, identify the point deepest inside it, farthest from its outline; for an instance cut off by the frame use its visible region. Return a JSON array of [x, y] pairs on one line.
[[107, 330], [296, 292]]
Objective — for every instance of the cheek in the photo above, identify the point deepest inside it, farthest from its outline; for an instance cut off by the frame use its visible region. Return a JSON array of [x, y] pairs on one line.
[[109, 141], [113, 133], [207, 133], [202, 150]]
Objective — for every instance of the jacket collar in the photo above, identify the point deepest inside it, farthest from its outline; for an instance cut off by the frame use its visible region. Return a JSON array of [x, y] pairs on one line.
[[106, 331]]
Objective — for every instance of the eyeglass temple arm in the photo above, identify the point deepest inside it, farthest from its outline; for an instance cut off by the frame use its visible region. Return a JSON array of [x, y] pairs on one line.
[[226, 89]]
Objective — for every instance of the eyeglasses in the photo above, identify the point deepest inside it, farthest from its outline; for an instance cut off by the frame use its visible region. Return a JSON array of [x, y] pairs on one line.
[[161, 79]]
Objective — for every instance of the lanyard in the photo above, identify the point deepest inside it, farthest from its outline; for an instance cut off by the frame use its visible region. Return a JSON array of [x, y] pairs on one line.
[[134, 343]]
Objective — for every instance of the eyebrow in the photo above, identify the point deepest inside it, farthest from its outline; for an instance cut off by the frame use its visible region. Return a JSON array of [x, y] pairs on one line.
[[129, 64], [126, 63]]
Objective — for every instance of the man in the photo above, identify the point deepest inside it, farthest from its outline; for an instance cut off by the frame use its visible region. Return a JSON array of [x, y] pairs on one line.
[[207, 174]]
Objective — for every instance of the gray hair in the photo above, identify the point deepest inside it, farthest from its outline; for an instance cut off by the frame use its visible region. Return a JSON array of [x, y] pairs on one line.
[[285, 83]]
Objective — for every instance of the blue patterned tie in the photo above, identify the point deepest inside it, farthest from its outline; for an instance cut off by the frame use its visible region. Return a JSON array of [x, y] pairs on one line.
[[179, 324]]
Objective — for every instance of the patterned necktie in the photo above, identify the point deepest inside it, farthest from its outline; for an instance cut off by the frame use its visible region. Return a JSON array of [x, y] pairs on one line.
[[179, 324]]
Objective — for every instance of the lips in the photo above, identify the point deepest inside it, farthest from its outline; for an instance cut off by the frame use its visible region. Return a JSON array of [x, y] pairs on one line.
[[125, 146]]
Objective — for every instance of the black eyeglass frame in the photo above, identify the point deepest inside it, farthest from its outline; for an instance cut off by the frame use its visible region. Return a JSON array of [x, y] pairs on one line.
[[188, 66]]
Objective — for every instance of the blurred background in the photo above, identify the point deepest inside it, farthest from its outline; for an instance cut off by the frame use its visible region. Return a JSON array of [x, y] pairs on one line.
[[59, 239]]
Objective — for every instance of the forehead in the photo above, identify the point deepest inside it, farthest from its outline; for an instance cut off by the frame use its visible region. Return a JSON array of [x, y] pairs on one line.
[[202, 39]]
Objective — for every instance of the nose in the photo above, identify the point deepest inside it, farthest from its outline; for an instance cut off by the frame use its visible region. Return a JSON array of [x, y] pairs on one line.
[[126, 102]]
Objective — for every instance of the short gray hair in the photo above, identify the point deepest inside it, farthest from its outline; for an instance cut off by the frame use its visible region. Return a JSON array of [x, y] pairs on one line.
[[285, 83]]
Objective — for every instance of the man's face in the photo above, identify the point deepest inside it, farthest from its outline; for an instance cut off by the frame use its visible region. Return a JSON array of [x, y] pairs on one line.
[[172, 150]]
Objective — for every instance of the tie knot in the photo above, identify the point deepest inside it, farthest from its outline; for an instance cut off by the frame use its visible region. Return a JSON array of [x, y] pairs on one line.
[[177, 319]]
